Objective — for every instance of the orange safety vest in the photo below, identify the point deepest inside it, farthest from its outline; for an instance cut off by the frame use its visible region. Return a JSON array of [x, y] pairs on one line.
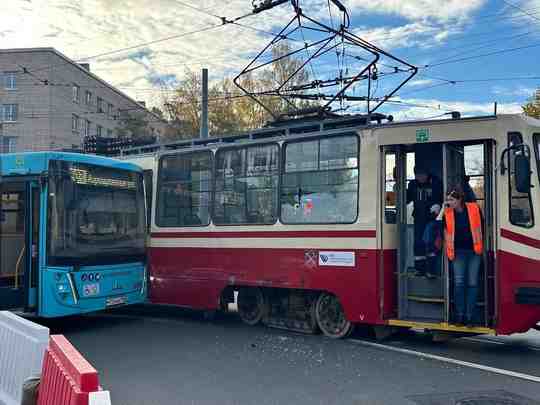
[[475, 221]]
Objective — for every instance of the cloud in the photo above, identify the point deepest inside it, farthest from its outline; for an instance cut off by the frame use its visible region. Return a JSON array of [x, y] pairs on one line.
[[519, 91], [409, 35], [420, 82], [82, 29], [440, 10]]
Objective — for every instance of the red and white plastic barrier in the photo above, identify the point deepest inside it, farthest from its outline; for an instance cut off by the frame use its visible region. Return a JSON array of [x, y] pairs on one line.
[[67, 378]]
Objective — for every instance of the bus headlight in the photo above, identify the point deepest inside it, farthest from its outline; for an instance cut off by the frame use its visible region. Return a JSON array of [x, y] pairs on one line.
[[62, 288]]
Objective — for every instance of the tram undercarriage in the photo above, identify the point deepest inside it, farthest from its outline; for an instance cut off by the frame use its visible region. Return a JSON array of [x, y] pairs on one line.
[[304, 311]]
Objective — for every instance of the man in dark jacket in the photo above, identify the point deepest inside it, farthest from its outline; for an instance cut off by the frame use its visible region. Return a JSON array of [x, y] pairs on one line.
[[425, 191]]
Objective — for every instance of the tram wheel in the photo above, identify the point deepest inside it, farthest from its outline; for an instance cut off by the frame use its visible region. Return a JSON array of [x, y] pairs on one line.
[[252, 306], [331, 318]]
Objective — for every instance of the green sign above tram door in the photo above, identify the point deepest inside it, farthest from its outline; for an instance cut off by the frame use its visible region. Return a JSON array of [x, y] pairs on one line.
[[423, 135]]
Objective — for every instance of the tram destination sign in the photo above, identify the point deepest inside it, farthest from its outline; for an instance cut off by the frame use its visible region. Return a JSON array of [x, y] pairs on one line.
[[423, 135]]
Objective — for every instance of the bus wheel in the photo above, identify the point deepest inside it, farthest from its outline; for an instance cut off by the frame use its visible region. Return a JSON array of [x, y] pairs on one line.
[[252, 306], [331, 318]]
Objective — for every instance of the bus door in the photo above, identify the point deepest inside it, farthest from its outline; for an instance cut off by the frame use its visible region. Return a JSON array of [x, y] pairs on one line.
[[470, 164], [19, 229]]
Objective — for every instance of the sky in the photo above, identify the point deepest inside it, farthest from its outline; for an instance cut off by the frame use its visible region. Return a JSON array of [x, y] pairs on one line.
[[465, 49]]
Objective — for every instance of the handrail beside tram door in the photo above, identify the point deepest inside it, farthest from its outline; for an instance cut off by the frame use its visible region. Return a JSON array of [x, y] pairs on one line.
[[401, 218]]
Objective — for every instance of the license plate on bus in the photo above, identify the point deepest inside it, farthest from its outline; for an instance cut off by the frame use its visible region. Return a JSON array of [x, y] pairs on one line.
[[90, 290], [116, 301]]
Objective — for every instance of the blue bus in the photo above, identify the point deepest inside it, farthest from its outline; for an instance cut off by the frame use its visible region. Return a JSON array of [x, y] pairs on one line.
[[72, 233]]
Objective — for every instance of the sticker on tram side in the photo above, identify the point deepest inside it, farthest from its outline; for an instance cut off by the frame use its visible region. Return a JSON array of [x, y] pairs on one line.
[[310, 258], [344, 259]]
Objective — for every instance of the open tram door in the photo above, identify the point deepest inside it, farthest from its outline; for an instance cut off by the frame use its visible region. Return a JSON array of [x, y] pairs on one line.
[[19, 243], [419, 300]]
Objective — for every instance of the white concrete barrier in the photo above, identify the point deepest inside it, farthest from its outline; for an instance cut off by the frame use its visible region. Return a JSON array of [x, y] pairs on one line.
[[22, 347]]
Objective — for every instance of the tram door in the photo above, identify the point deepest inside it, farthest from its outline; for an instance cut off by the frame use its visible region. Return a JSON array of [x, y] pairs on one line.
[[420, 298], [469, 164], [18, 263]]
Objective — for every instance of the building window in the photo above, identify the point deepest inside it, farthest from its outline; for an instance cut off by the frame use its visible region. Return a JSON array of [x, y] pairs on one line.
[[184, 190], [10, 112], [75, 93], [99, 130], [110, 110], [75, 123], [246, 185], [10, 80], [319, 182], [99, 105], [88, 98], [87, 125], [521, 208], [109, 133], [9, 144]]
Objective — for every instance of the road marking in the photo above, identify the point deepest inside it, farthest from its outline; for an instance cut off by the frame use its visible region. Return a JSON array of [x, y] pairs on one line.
[[449, 360], [495, 342], [483, 341]]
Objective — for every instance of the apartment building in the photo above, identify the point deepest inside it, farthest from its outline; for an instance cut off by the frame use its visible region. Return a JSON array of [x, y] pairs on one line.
[[50, 102]]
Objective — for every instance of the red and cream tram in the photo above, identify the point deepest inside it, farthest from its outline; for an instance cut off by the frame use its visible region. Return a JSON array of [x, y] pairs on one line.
[[307, 224]]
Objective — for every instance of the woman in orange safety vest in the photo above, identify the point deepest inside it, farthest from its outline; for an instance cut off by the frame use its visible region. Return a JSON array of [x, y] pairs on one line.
[[464, 248]]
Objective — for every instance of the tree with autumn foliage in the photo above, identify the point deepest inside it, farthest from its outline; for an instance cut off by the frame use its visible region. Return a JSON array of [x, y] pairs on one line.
[[229, 110], [532, 108]]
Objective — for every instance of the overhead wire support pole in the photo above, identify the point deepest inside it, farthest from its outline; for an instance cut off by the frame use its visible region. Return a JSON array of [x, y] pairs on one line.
[[204, 105]]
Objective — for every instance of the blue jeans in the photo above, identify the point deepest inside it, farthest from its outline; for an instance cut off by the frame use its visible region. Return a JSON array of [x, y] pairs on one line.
[[466, 267]]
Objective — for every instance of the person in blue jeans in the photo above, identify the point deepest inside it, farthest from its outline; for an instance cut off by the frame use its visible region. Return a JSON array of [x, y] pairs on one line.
[[463, 226], [432, 239]]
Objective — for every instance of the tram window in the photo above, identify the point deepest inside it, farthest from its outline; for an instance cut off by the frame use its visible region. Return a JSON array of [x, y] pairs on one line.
[[246, 185], [184, 190], [537, 153], [390, 189], [320, 181], [521, 211], [474, 173]]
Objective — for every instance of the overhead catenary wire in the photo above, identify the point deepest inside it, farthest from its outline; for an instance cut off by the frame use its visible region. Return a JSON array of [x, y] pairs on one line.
[[526, 12], [501, 51], [224, 21], [448, 82], [452, 59]]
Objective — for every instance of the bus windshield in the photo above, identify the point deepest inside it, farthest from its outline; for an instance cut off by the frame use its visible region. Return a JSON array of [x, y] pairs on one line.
[[96, 215]]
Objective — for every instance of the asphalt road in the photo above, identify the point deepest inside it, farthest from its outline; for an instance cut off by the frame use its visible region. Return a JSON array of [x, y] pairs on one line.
[[177, 357]]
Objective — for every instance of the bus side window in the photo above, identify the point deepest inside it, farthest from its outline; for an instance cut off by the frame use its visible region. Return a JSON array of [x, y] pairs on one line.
[[521, 210]]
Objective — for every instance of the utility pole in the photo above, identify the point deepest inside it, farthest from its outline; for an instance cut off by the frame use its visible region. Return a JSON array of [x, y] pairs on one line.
[[204, 109]]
